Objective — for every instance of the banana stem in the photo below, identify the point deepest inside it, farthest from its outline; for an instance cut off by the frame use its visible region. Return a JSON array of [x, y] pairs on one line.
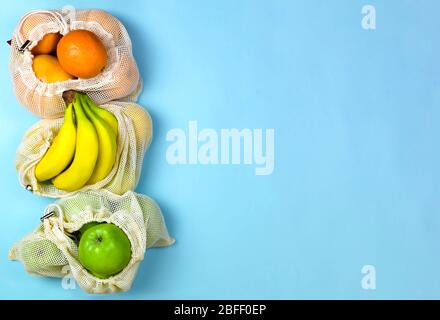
[[69, 96]]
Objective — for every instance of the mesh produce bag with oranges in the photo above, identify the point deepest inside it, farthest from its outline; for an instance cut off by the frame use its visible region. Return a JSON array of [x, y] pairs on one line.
[[85, 50], [73, 226]]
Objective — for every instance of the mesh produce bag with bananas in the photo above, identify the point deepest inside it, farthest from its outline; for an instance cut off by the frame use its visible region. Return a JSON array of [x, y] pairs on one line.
[[92, 147], [99, 237], [53, 51]]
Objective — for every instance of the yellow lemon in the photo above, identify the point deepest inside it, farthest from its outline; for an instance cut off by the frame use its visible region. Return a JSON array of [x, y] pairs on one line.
[[48, 69], [143, 125]]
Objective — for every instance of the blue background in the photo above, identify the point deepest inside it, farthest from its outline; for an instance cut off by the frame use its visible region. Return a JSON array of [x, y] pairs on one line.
[[356, 177]]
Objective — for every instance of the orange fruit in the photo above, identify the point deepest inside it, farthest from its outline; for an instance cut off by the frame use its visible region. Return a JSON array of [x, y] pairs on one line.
[[47, 45], [48, 69], [82, 54], [126, 77]]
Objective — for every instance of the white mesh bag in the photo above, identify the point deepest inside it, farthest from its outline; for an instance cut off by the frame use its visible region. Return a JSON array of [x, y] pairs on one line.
[[120, 79], [134, 137], [52, 247]]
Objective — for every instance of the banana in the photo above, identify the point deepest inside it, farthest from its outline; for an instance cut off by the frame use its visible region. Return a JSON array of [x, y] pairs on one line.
[[61, 152], [86, 153], [107, 142], [102, 113]]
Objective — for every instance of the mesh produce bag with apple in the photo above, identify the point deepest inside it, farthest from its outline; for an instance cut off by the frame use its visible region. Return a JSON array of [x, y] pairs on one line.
[[55, 247], [35, 48], [132, 137]]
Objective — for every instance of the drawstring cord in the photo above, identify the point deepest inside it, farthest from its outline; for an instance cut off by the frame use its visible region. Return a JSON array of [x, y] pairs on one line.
[[54, 209], [58, 17]]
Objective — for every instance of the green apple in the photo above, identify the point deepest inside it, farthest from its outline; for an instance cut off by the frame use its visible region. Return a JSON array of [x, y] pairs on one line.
[[104, 250]]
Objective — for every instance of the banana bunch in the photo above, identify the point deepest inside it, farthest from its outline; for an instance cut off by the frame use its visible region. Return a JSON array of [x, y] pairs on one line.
[[84, 151]]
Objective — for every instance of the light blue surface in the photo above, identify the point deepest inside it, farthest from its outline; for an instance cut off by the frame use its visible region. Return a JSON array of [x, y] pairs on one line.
[[357, 154]]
